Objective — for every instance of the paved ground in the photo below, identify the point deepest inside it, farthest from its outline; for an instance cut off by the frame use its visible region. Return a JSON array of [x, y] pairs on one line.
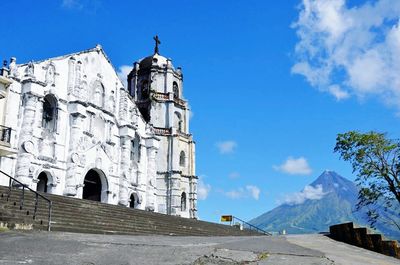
[[84, 249]]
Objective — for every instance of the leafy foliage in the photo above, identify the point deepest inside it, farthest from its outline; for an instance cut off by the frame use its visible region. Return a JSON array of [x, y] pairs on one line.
[[376, 160]]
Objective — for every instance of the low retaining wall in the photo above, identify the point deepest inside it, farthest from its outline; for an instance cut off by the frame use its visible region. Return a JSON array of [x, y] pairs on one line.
[[360, 237]]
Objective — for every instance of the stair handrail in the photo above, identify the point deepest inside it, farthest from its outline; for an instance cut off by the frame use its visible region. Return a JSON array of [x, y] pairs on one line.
[[251, 226], [22, 198]]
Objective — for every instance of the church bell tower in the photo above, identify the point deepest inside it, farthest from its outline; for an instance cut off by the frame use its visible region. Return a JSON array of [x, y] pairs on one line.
[[157, 88]]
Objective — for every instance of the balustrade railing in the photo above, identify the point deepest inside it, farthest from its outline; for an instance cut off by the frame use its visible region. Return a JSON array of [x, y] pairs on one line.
[[186, 135], [5, 134], [161, 96], [248, 226], [22, 198], [179, 101], [162, 131], [165, 96]]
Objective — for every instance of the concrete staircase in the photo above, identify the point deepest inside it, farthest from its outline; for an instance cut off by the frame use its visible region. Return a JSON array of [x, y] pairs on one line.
[[84, 216], [363, 238]]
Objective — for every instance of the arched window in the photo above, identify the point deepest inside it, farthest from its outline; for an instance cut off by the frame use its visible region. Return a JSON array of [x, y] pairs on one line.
[[132, 149], [175, 89], [183, 201], [178, 122], [49, 119], [144, 89], [182, 159]]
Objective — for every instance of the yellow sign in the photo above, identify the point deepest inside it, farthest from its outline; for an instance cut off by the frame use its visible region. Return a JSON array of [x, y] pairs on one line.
[[226, 218]]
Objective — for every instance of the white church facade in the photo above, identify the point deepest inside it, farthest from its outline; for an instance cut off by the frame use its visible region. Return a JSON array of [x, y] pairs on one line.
[[68, 126]]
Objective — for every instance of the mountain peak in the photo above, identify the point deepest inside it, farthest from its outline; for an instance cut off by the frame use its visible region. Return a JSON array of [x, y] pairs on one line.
[[332, 181]]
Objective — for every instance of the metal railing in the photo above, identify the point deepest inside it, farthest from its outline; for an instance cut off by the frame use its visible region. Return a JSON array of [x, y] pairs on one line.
[[5, 134], [22, 198], [248, 226]]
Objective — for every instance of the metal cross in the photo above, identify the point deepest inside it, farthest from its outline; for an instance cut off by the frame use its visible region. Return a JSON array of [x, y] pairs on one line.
[[157, 40]]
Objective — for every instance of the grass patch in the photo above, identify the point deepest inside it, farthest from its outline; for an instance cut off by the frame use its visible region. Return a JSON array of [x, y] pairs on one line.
[[263, 255], [3, 229]]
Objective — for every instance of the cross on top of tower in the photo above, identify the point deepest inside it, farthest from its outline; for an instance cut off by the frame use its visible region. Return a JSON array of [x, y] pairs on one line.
[[157, 40]]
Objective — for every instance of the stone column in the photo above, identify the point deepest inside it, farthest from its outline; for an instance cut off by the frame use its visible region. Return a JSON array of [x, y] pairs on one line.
[[152, 145], [26, 142], [71, 75], [175, 191], [77, 116], [193, 197], [125, 162]]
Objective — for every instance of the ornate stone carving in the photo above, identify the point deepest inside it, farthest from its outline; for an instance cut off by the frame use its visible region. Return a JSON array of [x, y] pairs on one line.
[[75, 158], [29, 147], [30, 70], [111, 102], [13, 67], [50, 74]]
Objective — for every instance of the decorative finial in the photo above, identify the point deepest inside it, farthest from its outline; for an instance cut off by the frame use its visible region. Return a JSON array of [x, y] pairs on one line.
[[5, 63], [157, 40]]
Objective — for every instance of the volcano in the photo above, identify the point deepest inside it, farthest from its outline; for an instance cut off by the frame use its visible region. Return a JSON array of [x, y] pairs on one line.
[[329, 200]]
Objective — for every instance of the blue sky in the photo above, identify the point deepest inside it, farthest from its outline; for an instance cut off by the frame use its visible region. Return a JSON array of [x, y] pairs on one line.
[[270, 83]]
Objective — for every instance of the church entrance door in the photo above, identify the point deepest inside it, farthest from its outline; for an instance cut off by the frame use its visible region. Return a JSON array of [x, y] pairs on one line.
[[42, 183], [92, 188], [134, 202]]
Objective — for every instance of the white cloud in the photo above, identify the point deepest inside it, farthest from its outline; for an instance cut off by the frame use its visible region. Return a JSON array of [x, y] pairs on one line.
[[308, 193], [234, 175], [338, 93], [203, 190], [82, 5], [295, 166], [123, 72], [249, 191], [72, 4], [254, 191], [226, 147], [347, 51]]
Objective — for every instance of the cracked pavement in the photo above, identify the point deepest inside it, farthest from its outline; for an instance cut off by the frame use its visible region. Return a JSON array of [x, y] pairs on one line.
[[87, 249]]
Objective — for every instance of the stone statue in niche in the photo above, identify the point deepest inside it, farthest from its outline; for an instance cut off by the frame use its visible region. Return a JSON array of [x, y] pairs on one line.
[[30, 69], [98, 92], [82, 91], [111, 102], [50, 74], [13, 67], [80, 87], [78, 73], [149, 129]]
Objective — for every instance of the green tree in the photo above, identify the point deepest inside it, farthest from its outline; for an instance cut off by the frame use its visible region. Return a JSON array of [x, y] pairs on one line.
[[376, 161]]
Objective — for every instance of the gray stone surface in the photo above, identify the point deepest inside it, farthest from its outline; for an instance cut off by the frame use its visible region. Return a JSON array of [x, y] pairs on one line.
[[69, 248]]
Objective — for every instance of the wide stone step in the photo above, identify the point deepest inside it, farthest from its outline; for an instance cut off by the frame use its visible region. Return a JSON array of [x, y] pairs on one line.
[[77, 215], [109, 218], [110, 223]]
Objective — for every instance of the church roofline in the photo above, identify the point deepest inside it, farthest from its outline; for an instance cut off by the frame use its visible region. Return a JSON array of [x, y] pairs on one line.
[[97, 48]]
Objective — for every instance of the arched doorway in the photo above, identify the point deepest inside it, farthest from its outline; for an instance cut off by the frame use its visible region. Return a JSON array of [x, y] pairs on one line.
[[134, 201], [92, 186], [42, 182]]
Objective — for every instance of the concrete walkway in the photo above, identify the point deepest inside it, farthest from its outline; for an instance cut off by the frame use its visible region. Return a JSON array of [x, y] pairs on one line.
[[86, 249]]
